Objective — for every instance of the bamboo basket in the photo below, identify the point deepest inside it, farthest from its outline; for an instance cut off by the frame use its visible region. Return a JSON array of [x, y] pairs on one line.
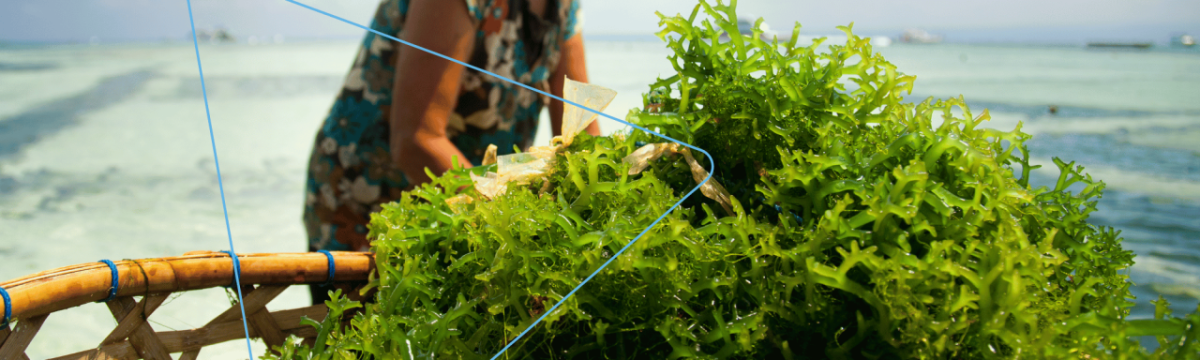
[[144, 284]]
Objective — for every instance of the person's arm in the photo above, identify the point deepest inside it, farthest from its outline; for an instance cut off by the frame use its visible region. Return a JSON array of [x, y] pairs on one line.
[[572, 65], [426, 87]]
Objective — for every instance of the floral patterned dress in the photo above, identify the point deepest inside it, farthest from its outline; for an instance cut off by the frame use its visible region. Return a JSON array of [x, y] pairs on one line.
[[350, 171]]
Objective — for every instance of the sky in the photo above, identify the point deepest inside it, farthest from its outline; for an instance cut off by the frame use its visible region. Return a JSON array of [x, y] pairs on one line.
[[1015, 21]]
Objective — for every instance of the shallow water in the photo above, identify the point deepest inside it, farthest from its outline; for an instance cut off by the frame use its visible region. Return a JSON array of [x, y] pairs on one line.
[[105, 151]]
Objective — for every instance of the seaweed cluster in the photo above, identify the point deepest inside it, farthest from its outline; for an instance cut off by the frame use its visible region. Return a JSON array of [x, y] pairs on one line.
[[861, 227]]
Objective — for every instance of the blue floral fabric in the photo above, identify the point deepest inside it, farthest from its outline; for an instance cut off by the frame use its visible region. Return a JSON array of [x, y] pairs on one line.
[[351, 171]]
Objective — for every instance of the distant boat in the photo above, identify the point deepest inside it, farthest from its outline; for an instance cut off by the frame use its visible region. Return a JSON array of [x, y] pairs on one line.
[[216, 36], [918, 36], [1184, 40], [223, 36], [1119, 45]]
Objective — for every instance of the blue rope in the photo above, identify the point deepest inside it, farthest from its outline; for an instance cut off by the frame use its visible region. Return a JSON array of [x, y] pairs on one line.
[[220, 184], [7, 308], [332, 267], [112, 292], [237, 285]]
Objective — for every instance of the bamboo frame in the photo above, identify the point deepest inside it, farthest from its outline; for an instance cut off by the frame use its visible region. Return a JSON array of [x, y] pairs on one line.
[[37, 296]]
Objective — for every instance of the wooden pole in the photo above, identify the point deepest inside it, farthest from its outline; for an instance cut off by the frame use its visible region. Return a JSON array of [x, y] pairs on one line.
[[75, 285]]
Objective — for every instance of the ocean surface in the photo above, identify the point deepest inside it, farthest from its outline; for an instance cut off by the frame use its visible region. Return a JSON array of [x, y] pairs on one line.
[[105, 151]]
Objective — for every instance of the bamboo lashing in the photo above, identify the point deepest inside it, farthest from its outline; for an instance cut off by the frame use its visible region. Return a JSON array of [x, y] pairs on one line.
[[33, 298]]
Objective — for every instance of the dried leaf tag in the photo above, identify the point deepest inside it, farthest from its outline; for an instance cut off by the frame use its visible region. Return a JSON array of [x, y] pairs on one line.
[[537, 162], [489, 157], [576, 119], [522, 167], [641, 158], [489, 185]]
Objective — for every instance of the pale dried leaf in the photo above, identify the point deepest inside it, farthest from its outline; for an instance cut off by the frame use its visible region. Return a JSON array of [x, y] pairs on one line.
[[576, 119], [489, 157], [641, 158], [489, 185]]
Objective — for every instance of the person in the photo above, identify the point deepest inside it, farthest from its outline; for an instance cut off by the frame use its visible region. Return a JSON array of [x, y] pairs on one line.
[[402, 110]]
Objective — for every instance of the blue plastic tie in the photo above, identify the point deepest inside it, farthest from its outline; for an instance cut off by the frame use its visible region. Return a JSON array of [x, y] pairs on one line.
[[112, 293], [237, 267], [7, 307], [332, 267]]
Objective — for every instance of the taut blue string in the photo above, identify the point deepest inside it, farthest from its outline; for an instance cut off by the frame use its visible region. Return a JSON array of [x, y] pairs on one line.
[[332, 267], [237, 281], [112, 292], [711, 165]]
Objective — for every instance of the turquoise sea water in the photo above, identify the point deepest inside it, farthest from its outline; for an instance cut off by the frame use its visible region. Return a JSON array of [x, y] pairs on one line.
[[104, 151]]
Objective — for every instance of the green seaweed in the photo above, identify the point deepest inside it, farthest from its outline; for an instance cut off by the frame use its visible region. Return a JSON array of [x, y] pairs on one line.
[[863, 227]]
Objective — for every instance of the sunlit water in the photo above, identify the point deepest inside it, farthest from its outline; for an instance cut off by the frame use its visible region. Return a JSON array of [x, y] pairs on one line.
[[105, 152]]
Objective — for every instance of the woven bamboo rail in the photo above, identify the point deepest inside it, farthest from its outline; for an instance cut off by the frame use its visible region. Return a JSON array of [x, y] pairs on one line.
[[263, 277]]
